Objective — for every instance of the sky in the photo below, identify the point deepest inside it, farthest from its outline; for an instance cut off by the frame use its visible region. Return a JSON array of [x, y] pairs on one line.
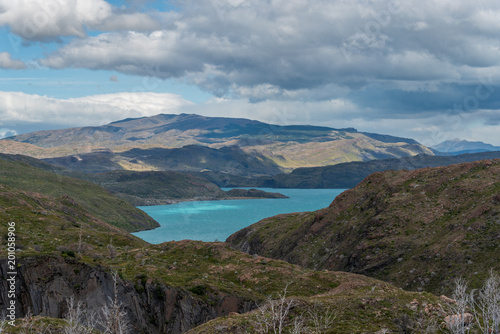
[[427, 70]]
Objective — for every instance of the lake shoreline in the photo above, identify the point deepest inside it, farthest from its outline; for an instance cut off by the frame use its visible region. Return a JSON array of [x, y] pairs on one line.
[[169, 201], [216, 219]]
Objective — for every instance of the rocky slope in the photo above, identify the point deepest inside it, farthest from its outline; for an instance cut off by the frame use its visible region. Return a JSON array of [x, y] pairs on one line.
[[418, 229], [63, 251], [286, 146]]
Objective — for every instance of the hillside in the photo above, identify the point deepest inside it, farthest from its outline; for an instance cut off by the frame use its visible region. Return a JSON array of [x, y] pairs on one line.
[[63, 251], [194, 158], [103, 205], [161, 188], [340, 176], [417, 229], [286, 146], [348, 175]]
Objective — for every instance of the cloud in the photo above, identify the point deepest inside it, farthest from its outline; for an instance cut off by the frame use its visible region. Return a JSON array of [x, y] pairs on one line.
[[19, 110], [7, 133], [371, 64], [291, 49], [42, 20], [7, 62], [21, 113]]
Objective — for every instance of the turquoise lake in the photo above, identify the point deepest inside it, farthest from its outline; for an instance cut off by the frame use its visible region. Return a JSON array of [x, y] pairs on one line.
[[217, 220]]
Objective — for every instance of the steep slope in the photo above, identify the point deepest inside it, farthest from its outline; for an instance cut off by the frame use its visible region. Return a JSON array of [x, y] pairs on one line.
[[92, 197], [63, 251], [287, 146], [418, 229]]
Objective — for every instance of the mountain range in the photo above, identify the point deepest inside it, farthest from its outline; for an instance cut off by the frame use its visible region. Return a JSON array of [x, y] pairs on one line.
[[288, 147], [457, 146]]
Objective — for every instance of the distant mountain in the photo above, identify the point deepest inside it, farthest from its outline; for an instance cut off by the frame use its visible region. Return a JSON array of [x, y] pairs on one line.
[[287, 146], [417, 229], [457, 146]]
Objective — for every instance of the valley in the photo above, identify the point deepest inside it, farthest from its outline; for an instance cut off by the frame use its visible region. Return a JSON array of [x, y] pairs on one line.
[[382, 257]]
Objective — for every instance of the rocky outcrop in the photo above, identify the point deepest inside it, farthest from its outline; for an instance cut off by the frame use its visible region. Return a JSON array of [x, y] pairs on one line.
[[44, 284]]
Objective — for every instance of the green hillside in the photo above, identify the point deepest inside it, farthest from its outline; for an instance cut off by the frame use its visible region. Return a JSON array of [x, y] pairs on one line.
[[95, 199]]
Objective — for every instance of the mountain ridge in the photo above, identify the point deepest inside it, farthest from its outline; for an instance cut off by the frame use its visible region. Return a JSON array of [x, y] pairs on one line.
[[288, 146], [23, 176]]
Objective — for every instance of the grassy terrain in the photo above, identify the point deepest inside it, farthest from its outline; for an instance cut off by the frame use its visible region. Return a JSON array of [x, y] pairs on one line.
[[154, 188], [48, 227], [417, 229], [95, 199]]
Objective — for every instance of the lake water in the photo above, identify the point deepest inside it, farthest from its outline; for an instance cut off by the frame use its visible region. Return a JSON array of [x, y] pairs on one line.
[[217, 220]]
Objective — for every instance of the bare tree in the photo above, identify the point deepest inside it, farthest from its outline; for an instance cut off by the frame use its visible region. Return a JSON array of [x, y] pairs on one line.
[[79, 320], [111, 249], [321, 317], [423, 323], [488, 305], [458, 321], [483, 309], [272, 316], [114, 316]]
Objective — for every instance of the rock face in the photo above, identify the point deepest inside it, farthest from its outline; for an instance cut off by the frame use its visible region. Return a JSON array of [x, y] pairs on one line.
[[418, 229], [44, 284]]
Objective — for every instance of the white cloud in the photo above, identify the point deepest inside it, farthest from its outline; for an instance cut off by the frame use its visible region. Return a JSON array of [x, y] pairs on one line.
[[51, 19], [20, 110], [7, 62], [7, 133], [260, 49]]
